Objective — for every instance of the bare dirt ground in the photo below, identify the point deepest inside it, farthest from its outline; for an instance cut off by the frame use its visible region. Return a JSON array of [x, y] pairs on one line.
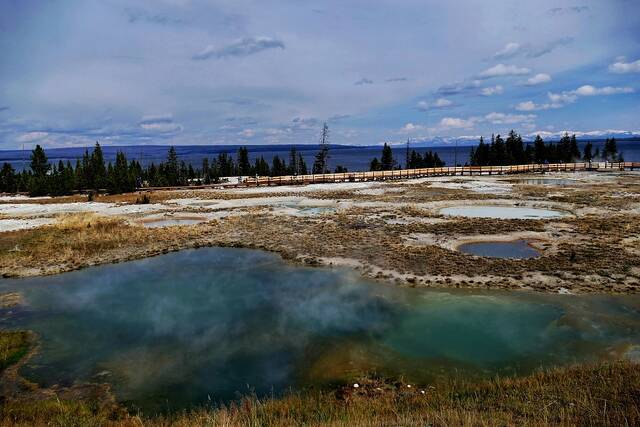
[[588, 238]]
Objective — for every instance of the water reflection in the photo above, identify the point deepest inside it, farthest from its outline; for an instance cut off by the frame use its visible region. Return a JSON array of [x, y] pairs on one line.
[[183, 328], [517, 249]]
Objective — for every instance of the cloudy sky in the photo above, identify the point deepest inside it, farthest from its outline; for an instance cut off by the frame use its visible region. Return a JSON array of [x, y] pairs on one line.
[[255, 72]]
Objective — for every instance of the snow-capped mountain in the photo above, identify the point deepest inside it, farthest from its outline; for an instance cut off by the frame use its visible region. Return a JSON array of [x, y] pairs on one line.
[[546, 135]]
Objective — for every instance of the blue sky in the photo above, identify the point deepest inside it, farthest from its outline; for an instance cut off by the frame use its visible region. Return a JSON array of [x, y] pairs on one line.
[[256, 72]]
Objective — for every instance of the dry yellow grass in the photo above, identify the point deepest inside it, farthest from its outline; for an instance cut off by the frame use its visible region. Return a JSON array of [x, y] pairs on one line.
[[71, 240]]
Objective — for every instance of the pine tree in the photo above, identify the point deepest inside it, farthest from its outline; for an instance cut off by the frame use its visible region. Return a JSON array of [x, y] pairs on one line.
[[415, 160], [610, 150], [78, 177], [386, 161], [8, 179], [301, 165], [436, 160], [375, 165], [206, 177], [320, 165], [588, 155], [244, 166], [539, 150], [39, 163], [564, 148], [183, 173], [98, 170], [171, 170], [498, 154], [38, 185], [279, 167], [262, 167], [574, 150]]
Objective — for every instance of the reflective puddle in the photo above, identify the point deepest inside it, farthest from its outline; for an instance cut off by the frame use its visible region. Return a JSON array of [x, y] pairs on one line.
[[500, 212], [518, 249]]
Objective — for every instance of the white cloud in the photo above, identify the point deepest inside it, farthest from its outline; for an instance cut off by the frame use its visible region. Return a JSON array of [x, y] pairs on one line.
[[622, 67], [495, 118], [437, 104], [538, 79], [508, 119], [588, 90], [562, 98], [239, 48], [442, 103], [457, 123], [411, 128], [459, 87], [558, 100], [509, 51], [492, 90], [527, 106], [161, 124], [247, 133], [161, 127], [31, 137], [502, 70]]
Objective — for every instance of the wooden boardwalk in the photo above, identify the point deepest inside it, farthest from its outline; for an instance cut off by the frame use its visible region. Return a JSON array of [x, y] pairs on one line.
[[412, 173], [443, 171]]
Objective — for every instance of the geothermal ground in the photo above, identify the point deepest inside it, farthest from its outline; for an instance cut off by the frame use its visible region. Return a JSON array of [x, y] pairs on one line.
[[585, 226]]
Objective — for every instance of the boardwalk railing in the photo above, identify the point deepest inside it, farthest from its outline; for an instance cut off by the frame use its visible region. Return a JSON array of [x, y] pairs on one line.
[[410, 173], [442, 171]]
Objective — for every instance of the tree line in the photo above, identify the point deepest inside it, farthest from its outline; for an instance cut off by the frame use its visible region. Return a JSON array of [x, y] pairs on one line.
[[513, 151], [414, 160], [92, 173]]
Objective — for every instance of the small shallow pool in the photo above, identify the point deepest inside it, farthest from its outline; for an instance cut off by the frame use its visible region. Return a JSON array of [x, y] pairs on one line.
[[304, 210], [546, 181], [500, 212], [168, 222], [517, 249]]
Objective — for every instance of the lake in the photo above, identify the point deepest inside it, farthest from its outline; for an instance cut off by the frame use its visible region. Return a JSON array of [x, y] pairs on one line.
[[200, 326], [354, 158]]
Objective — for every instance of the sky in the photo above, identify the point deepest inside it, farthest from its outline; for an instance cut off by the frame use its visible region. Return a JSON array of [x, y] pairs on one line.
[[176, 72]]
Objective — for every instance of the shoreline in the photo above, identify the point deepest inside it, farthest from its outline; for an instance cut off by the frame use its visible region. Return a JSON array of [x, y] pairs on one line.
[[390, 231]]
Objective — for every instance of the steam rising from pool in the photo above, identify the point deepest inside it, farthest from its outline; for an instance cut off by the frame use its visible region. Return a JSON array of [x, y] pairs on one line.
[[201, 325]]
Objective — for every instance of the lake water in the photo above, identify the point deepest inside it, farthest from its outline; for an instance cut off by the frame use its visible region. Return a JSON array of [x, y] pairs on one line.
[[354, 158], [518, 249], [201, 326]]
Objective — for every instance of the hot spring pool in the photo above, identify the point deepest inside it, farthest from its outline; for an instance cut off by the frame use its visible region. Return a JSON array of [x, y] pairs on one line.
[[199, 326]]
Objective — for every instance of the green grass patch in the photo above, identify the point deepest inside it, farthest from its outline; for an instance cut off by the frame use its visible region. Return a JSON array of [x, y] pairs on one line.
[[14, 345]]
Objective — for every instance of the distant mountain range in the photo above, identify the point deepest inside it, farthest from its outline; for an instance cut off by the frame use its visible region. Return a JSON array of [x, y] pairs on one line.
[[440, 141]]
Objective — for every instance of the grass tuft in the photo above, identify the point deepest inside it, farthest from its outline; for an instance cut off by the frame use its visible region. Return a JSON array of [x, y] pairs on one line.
[[14, 345], [602, 394]]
